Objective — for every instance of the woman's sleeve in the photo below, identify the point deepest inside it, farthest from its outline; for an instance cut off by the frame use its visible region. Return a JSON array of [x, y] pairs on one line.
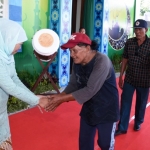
[[12, 86], [16, 80], [97, 78]]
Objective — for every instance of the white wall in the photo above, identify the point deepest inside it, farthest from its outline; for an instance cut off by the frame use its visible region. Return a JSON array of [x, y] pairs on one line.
[[4, 11], [78, 15]]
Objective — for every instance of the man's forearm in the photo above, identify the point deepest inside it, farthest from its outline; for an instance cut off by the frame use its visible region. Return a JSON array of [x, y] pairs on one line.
[[123, 66], [67, 97]]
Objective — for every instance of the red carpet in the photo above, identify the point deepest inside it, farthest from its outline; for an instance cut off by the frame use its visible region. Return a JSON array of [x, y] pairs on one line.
[[135, 140], [32, 130]]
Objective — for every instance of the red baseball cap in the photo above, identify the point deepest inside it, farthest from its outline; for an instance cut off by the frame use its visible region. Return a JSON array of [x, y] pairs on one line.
[[75, 39]]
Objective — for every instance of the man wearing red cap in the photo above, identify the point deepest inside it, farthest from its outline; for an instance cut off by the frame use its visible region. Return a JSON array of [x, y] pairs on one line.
[[136, 62], [93, 85]]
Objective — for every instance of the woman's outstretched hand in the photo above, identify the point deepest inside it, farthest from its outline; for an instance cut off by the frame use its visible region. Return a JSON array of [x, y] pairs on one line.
[[44, 101]]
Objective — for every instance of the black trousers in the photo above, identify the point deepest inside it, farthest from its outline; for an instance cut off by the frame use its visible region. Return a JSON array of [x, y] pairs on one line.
[[87, 134], [126, 102]]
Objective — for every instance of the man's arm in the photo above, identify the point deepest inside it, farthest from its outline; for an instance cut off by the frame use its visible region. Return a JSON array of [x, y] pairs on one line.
[[57, 99], [122, 69]]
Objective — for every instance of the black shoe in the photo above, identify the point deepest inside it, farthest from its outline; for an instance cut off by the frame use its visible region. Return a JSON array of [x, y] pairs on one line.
[[137, 127], [118, 132]]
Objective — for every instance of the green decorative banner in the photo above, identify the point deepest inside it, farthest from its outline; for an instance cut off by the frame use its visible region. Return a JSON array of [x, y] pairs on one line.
[[121, 18], [34, 17]]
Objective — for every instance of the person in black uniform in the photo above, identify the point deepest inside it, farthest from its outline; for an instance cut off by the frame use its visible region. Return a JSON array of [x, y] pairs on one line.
[[136, 62]]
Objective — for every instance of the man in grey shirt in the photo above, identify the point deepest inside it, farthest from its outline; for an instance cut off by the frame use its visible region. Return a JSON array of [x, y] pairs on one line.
[[92, 84]]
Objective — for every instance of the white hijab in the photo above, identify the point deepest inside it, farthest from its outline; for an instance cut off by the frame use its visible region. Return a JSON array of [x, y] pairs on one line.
[[11, 33]]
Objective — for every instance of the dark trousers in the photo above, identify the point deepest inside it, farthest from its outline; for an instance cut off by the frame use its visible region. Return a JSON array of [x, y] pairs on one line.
[[126, 102], [105, 136]]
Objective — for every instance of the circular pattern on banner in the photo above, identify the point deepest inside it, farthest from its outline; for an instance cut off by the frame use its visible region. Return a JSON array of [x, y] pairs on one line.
[[119, 28], [45, 42]]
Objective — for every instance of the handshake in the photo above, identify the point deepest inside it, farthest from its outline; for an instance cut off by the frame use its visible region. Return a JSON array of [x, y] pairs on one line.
[[50, 102]]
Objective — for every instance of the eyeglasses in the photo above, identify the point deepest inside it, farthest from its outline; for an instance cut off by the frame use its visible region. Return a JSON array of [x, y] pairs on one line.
[[137, 51]]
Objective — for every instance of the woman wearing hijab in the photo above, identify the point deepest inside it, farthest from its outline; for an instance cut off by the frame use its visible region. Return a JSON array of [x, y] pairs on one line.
[[12, 35], [93, 85]]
